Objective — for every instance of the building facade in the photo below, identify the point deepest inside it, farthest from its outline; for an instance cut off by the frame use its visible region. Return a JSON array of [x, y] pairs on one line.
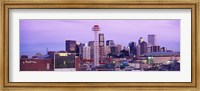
[[143, 47], [106, 50], [101, 46], [138, 50], [36, 64], [81, 50], [133, 48], [114, 49], [96, 29], [70, 46], [86, 52], [140, 40], [91, 45], [64, 61], [152, 39], [155, 48], [110, 42]]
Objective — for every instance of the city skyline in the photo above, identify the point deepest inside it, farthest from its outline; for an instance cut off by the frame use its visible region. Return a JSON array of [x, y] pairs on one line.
[[37, 35]]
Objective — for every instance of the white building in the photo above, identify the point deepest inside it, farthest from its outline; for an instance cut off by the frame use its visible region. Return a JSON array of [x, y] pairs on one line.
[[86, 52], [96, 29]]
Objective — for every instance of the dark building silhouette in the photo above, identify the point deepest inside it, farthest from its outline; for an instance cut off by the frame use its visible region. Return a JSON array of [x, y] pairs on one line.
[[81, 50], [133, 49], [114, 49], [143, 47], [24, 56], [77, 50], [70, 46], [64, 60], [124, 53], [91, 45], [109, 42], [155, 48], [162, 49], [50, 52], [140, 40]]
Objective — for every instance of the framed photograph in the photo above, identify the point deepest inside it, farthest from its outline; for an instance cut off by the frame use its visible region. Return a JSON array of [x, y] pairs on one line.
[[100, 45]]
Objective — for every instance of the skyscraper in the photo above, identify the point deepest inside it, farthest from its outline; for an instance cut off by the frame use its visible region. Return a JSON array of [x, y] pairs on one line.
[[101, 45], [140, 40], [70, 46], [101, 39], [139, 46], [81, 50], [86, 52], [152, 39], [96, 29], [77, 50], [109, 42], [138, 50], [133, 50], [143, 47], [91, 45]]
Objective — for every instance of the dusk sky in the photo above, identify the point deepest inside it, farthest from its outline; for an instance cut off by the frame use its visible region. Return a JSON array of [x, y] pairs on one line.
[[38, 35]]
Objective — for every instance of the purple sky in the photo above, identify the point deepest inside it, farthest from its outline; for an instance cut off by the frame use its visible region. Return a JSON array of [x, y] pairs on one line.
[[38, 35]]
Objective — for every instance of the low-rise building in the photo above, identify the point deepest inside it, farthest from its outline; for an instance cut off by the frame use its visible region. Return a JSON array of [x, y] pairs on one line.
[[36, 64]]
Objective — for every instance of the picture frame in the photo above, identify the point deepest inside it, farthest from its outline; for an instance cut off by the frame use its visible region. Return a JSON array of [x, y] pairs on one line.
[[175, 86]]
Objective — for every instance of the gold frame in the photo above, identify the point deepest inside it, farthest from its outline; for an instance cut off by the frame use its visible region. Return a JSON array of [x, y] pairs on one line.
[[193, 5]]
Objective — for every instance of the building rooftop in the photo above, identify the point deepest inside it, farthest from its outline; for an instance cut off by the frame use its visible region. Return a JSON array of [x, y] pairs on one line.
[[161, 54]]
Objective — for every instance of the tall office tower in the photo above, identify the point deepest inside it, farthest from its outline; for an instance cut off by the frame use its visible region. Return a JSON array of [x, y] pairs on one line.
[[77, 50], [81, 50], [86, 52], [101, 45], [143, 47], [152, 39], [155, 48], [109, 42], [138, 50], [133, 50], [96, 29], [101, 39], [70, 46], [91, 45], [140, 40]]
